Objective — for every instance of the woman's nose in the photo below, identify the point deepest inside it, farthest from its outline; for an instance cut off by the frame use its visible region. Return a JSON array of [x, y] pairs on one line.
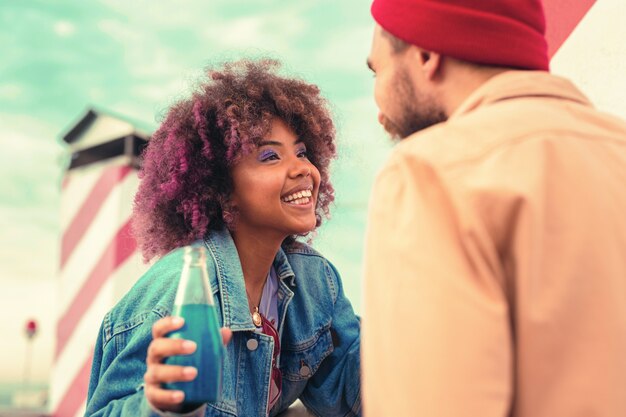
[[300, 168]]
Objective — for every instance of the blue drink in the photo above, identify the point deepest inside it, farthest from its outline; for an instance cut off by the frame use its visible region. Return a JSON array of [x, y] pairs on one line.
[[194, 302], [200, 320]]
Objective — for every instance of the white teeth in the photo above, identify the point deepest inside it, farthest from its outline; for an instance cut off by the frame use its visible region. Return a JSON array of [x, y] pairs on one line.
[[300, 195], [304, 200]]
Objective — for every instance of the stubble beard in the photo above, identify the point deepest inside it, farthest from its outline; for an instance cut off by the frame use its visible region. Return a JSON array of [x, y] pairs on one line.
[[417, 112]]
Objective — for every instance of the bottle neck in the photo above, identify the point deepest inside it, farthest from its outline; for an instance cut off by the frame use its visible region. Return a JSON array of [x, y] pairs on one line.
[[193, 287]]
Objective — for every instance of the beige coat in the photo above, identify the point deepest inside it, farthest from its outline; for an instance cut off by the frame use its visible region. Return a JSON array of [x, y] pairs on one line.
[[495, 264]]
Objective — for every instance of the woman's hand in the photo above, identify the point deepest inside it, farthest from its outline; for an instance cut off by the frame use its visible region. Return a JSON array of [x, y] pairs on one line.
[[158, 373]]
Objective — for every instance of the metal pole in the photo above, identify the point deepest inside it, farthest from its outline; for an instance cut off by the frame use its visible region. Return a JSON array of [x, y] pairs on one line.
[[26, 382]]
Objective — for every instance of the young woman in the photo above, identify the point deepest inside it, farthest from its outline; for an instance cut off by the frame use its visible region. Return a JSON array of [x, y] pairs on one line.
[[242, 167]]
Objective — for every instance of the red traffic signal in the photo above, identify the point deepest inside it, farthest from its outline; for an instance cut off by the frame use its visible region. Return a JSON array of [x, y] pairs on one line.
[[31, 328]]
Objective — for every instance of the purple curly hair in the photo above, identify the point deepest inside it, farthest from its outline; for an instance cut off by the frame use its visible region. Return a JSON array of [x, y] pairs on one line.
[[185, 178]]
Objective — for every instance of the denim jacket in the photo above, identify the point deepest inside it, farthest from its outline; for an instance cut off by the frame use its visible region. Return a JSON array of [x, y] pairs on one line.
[[319, 333]]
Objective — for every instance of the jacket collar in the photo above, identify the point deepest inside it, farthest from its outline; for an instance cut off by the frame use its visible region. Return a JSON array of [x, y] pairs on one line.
[[230, 282], [516, 84]]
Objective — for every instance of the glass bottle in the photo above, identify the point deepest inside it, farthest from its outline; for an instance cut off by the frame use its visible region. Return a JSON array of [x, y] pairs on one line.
[[194, 302]]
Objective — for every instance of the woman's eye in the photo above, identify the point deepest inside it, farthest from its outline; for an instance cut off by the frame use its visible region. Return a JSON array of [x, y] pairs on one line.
[[303, 154], [268, 156]]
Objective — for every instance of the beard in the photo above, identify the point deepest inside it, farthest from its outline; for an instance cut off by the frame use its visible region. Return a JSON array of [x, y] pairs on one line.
[[417, 112]]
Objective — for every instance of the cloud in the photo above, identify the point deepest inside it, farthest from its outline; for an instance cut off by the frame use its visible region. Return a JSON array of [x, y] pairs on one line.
[[147, 14], [31, 163], [121, 31], [273, 30], [346, 50], [144, 55], [12, 91], [29, 252], [154, 54], [63, 28], [27, 138]]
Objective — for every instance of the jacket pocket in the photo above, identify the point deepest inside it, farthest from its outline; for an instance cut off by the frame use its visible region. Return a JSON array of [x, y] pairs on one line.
[[221, 409], [299, 362]]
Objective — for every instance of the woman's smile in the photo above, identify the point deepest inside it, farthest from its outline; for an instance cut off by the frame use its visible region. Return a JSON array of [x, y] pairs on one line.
[[302, 197]]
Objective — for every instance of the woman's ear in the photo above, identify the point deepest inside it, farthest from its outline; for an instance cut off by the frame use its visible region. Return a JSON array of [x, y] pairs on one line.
[[229, 210]]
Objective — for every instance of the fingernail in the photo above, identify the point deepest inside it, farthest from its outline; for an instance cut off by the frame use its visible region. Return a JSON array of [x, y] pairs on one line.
[[189, 346], [177, 321], [189, 371], [178, 396]]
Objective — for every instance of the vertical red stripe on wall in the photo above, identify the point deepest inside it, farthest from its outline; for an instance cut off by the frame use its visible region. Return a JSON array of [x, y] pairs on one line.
[[562, 17]]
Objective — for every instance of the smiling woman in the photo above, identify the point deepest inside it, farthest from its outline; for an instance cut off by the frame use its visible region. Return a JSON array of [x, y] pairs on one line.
[[241, 168], [276, 186]]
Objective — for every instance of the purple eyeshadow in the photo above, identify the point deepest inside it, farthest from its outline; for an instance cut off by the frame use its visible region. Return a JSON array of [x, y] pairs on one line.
[[266, 154]]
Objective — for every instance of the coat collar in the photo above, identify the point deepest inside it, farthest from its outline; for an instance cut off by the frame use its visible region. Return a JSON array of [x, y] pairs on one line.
[[230, 282], [516, 84]]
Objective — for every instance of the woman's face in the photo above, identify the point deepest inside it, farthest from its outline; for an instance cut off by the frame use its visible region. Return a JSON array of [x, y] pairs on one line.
[[275, 187]]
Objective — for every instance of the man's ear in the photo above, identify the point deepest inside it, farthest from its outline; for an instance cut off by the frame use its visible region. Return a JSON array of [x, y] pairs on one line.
[[429, 62]]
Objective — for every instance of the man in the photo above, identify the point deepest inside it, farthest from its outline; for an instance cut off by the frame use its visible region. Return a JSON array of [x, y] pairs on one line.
[[495, 265]]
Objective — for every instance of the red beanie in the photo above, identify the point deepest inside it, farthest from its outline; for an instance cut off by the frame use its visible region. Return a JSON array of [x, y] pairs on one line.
[[508, 33]]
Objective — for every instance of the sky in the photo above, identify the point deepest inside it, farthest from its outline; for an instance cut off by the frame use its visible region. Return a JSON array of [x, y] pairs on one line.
[[137, 57]]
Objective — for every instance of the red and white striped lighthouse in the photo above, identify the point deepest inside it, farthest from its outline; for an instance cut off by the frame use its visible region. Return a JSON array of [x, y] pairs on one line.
[[99, 261]]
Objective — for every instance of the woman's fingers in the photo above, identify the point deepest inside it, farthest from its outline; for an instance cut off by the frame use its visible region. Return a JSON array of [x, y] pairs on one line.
[[227, 334], [159, 374], [168, 324], [162, 347], [164, 399], [165, 325]]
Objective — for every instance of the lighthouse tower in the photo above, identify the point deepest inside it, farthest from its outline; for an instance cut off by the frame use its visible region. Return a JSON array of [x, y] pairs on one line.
[[99, 261]]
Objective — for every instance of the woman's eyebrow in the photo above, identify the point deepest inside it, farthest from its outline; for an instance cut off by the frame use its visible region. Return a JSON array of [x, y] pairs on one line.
[[275, 143], [270, 142]]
